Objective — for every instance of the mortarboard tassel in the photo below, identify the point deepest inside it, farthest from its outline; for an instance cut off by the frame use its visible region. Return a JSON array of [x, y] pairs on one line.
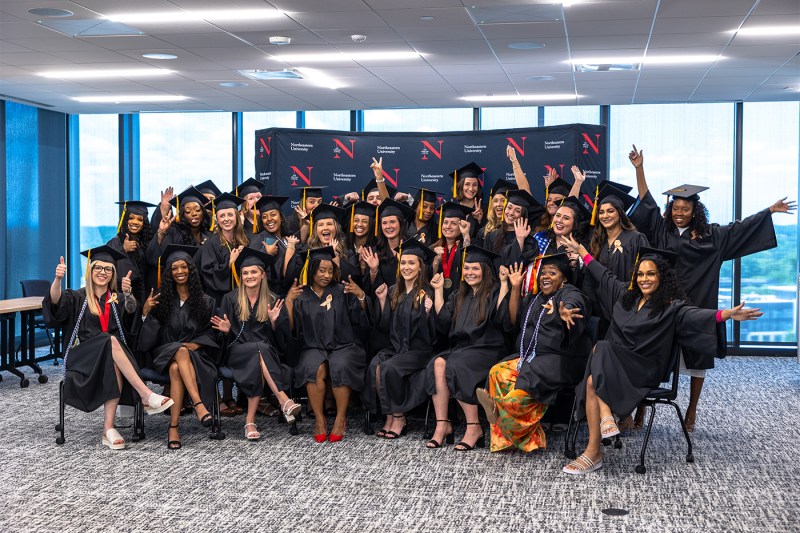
[[463, 260], [255, 222], [311, 225], [441, 214], [353, 216], [122, 216], [235, 281], [177, 209], [213, 216], [304, 271], [399, 255], [158, 281], [633, 276], [594, 207], [546, 193], [376, 221], [421, 200], [237, 190], [88, 263], [455, 183]]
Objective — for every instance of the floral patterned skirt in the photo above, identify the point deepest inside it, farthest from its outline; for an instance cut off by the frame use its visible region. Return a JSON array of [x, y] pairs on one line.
[[518, 423]]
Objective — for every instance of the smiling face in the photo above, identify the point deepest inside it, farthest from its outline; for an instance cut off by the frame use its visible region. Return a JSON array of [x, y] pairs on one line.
[[470, 188], [410, 266], [450, 229], [647, 277], [608, 216], [271, 221], [682, 211], [390, 226], [102, 273], [374, 197], [511, 213], [473, 274], [324, 274], [550, 279], [563, 221], [226, 218], [497, 205], [428, 209], [252, 276], [552, 202], [192, 214], [135, 223], [180, 272], [311, 203], [325, 229], [361, 225]]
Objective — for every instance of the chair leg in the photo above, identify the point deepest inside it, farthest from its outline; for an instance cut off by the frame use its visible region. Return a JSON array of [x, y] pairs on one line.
[[216, 418], [689, 454], [426, 434], [138, 422], [367, 422], [60, 427], [569, 452], [640, 468]]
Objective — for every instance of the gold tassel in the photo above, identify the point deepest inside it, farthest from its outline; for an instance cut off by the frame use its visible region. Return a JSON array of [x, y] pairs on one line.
[[362, 195], [302, 200], [455, 183], [237, 190], [158, 281], [177, 209], [122, 216], [310, 225], [235, 281], [546, 193], [421, 200], [441, 214], [633, 276], [88, 264], [399, 255], [463, 260], [536, 266], [213, 216], [304, 271], [376, 221], [353, 216], [594, 207], [255, 222]]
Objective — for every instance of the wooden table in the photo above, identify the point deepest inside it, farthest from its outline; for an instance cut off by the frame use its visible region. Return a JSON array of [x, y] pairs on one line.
[[28, 308]]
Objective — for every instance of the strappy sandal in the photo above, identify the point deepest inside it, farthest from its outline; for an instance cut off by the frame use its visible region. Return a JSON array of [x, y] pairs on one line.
[[488, 404], [290, 410], [391, 435], [110, 438], [480, 443], [433, 444], [227, 410], [582, 465], [608, 427], [173, 444], [251, 435], [205, 421], [155, 404], [690, 422]]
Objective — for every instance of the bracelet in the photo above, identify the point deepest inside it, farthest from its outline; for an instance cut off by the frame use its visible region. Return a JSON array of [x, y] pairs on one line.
[[161, 233], [362, 298], [380, 180]]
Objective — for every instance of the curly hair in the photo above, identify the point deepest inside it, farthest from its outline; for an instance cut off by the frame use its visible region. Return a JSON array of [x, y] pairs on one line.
[[599, 236], [669, 289], [699, 226], [143, 237], [198, 311], [139, 257], [487, 283]]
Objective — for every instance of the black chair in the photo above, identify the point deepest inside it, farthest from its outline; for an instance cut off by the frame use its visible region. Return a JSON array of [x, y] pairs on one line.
[[39, 287]]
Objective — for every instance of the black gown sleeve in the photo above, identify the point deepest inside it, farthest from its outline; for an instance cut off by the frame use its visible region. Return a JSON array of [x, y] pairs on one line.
[[608, 288]]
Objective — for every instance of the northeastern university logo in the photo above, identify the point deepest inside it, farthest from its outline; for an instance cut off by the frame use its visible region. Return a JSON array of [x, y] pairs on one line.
[[265, 147], [340, 148], [518, 146], [589, 144], [302, 175], [429, 149]]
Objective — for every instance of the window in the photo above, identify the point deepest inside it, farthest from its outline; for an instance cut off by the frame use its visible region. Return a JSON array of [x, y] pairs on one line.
[[328, 120], [770, 145], [181, 149], [682, 143], [495, 118], [259, 120], [418, 119], [581, 114], [99, 178]]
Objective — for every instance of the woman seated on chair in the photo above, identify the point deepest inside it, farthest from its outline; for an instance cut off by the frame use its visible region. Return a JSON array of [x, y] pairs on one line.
[[248, 320], [647, 316], [97, 357], [553, 348], [472, 317], [322, 313], [176, 331], [396, 375]]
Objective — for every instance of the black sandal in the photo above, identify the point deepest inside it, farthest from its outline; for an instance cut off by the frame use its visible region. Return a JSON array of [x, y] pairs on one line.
[[447, 438], [480, 443], [206, 420], [391, 435], [173, 444]]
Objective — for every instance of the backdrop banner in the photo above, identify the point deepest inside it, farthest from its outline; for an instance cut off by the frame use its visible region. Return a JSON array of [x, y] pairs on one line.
[[287, 159]]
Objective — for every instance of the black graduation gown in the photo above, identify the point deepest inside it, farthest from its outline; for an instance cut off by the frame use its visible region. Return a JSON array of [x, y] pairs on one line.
[[561, 353], [402, 365], [90, 379], [634, 358], [162, 341], [275, 274], [700, 260], [213, 264], [248, 342], [134, 262], [474, 348], [174, 235], [325, 333], [510, 251], [427, 234]]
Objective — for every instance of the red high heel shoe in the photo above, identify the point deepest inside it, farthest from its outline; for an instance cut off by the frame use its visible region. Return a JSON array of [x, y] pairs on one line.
[[322, 437], [336, 438]]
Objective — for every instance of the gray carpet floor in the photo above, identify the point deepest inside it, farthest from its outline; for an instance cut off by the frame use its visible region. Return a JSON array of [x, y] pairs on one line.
[[745, 477]]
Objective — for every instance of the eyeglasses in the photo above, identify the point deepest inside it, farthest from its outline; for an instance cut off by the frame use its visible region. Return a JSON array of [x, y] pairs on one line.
[[99, 268]]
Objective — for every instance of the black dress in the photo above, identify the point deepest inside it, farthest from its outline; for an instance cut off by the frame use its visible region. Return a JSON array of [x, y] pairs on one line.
[[177, 233], [90, 379], [162, 341], [509, 250], [136, 263], [700, 260], [412, 333], [635, 356], [427, 234], [247, 343], [213, 261], [557, 357], [474, 348], [277, 283], [324, 328]]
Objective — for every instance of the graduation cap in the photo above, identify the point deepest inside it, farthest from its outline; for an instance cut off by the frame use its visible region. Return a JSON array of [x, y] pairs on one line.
[[362, 208], [581, 213], [175, 252], [609, 191], [521, 198], [470, 170], [324, 212], [310, 192], [223, 201], [424, 195], [501, 186], [103, 253], [560, 260], [452, 210], [208, 187], [372, 185], [314, 254], [190, 195], [475, 254], [271, 203], [136, 207], [391, 207], [645, 252], [416, 248], [619, 186], [559, 186], [687, 192], [249, 186], [252, 257]]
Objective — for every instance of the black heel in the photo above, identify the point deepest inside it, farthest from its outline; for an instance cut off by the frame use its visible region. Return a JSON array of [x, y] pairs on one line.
[[391, 435], [433, 444], [480, 443], [206, 420], [173, 444]]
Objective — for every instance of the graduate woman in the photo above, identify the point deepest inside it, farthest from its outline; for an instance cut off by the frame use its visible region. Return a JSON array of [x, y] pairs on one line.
[[382, 263], [189, 227], [552, 348], [423, 226], [177, 333], [449, 248], [133, 236], [396, 375], [250, 192], [97, 357], [273, 239], [648, 314], [512, 240], [321, 313], [683, 228], [467, 192], [247, 317], [472, 318]]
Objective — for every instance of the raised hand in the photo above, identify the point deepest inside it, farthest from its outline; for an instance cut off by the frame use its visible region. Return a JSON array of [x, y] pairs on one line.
[[129, 245], [125, 283], [61, 269], [515, 275], [377, 168], [401, 197], [381, 293], [464, 227], [511, 154], [150, 303], [235, 254], [503, 272], [351, 287], [428, 304], [521, 228], [568, 315], [335, 244], [351, 197], [782, 206], [370, 258], [165, 223], [274, 311], [580, 177], [569, 242], [742, 314], [167, 195], [477, 213], [291, 242], [437, 282], [294, 291], [552, 176], [301, 213], [636, 157], [221, 324]]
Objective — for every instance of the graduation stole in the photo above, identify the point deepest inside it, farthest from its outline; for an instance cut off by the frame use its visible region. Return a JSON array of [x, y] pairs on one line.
[[529, 352], [105, 316], [447, 259], [235, 282]]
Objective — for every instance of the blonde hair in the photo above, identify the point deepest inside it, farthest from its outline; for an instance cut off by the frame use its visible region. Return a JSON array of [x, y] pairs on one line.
[[315, 242], [94, 308], [238, 233], [492, 222], [265, 300]]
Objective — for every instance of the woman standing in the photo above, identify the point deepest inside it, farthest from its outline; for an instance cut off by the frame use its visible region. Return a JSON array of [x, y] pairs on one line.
[[250, 192], [97, 356], [467, 192], [133, 236], [392, 218], [273, 239], [189, 227], [449, 249], [512, 241], [494, 214], [423, 225]]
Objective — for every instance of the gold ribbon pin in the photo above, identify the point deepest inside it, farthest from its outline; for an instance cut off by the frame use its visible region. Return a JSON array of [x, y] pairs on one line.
[[327, 303]]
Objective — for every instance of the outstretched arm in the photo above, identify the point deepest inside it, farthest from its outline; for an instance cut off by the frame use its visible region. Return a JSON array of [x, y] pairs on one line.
[[637, 160], [519, 175]]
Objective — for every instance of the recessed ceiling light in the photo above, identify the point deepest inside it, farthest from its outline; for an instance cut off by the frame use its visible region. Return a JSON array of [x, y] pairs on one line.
[[768, 31], [540, 78], [607, 67], [526, 46], [517, 97], [193, 16], [160, 56], [426, 18], [233, 84], [339, 56], [108, 73], [649, 60], [283, 74], [119, 99], [50, 12], [319, 78]]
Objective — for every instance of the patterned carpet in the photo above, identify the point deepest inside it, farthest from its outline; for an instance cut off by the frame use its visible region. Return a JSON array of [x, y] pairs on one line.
[[744, 478]]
